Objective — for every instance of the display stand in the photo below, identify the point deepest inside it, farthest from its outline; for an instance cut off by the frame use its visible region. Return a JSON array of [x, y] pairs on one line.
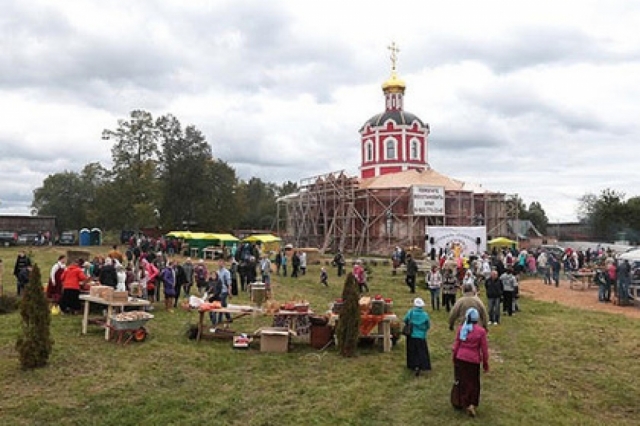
[[140, 303]]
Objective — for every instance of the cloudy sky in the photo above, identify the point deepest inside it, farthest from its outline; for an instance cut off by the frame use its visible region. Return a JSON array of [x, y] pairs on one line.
[[539, 99]]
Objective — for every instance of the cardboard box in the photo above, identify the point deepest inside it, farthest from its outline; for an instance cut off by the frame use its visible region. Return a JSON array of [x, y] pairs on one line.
[[98, 291], [119, 296], [274, 339], [107, 293]]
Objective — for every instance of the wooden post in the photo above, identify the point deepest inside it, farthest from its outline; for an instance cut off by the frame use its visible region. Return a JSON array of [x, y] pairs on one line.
[[1, 275]]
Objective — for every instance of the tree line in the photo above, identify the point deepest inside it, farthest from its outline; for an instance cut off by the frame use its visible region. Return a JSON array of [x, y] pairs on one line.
[[610, 216], [164, 175]]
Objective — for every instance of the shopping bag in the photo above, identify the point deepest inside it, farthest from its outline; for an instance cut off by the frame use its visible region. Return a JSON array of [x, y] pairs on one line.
[[455, 395]]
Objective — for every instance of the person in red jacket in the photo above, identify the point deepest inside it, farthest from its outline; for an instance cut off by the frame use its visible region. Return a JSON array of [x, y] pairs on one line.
[[72, 278], [469, 352]]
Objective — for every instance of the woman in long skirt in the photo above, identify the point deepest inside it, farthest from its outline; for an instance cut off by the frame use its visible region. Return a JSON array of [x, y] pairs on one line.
[[418, 359], [469, 351]]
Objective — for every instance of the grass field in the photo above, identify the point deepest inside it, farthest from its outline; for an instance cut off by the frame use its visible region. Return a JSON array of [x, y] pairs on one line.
[[550, 365]]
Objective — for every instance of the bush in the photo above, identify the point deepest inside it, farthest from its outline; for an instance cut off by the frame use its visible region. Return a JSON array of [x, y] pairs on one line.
[[8, 304], [35, 343], [348, 329]]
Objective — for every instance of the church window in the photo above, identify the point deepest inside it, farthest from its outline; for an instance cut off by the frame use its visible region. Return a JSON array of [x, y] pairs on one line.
[[391, 149], [414, 152], [368, 148]]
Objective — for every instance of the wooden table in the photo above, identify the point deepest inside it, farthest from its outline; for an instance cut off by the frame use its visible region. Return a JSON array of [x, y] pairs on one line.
[[384, 329], [141, 303], [585, 279], [235, 314], [292, 320]]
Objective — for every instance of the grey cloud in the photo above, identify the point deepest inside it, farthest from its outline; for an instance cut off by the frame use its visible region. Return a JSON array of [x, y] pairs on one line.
[[526, 47], [518, 102], [53, 56]]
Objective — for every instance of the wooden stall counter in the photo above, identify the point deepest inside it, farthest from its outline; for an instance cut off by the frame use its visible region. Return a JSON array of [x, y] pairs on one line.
[[110, 304], [369, 322], [581, 280]]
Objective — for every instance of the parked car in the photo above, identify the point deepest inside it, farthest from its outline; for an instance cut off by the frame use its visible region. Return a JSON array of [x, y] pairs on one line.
[[8, 238], [28, 239], [67, 238], [557, 251]]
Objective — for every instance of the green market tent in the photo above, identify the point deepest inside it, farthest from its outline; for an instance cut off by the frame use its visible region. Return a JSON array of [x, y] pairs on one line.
[[202, 240]]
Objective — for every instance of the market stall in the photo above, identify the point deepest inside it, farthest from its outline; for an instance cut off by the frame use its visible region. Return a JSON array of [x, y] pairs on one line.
[[268, 242], [581, 279], [291, 316], [206, 243], [110, 301], [501, 242], [376, 319]]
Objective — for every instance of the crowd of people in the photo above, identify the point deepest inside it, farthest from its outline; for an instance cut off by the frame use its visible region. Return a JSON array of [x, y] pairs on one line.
[[148, 269], [455, 282]]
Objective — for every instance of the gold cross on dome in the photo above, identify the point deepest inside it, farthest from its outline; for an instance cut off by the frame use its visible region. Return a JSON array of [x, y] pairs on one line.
[[394, 54]]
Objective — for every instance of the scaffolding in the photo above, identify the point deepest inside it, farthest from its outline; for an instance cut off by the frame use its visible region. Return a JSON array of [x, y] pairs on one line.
[[332, 212]]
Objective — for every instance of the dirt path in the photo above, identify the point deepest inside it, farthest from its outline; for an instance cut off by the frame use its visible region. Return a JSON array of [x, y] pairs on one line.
[[583, 299]]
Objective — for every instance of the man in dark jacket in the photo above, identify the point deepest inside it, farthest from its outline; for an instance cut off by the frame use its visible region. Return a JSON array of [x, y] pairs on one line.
[[339, 262], [493, 287], [412, 272], [21, 271], [624, 280], [108, 275]]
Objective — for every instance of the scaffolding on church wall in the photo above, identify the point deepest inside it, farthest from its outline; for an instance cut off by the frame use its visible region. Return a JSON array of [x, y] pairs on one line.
[[331, 212]]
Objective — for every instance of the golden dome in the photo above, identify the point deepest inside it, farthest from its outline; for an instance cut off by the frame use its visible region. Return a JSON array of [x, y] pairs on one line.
[[393, 84]]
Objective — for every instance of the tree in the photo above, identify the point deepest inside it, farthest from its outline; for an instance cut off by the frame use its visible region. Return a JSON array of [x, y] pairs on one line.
[[62, 195], [183, 162], [535, 213], [34, 344], [607, 214], [348, 330], [259, 203], [135, 157], [216, 209], [287, 188], [537, 216]]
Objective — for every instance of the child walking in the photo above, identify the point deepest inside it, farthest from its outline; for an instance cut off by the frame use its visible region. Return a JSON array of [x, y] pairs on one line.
[[324, 277]]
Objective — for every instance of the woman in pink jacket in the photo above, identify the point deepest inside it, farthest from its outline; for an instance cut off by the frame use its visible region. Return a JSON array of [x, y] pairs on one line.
[[469, 351]]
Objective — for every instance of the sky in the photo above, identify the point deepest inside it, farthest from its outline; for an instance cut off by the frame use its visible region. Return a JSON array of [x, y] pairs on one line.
[[538, 99]]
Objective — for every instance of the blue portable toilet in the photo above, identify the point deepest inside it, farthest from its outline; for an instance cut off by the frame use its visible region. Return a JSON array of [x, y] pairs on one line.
[[96, 237], [84, 237]]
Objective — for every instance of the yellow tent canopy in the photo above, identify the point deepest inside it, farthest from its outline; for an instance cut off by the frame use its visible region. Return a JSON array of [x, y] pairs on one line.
[[180, 234], [267, 241], [263, 238], [501, 241], [221, 237]]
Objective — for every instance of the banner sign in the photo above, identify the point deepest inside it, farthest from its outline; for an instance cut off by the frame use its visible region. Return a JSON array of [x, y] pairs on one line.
[[427, 200], [461, 240]]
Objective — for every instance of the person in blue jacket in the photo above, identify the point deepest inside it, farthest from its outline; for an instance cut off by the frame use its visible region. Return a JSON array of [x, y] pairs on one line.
[[418, 359]]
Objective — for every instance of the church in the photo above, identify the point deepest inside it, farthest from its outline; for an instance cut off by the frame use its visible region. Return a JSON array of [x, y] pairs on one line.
[[396, 197]]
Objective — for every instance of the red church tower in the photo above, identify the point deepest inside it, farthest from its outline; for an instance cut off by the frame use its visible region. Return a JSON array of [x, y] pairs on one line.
[[394, 140]]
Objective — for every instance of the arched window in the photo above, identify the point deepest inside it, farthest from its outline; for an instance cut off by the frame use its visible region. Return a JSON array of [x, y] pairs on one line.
[[414, 151], [390, 146], [368, 151]]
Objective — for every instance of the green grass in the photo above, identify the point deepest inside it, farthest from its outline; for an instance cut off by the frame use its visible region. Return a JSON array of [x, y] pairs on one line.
[[550, 365]]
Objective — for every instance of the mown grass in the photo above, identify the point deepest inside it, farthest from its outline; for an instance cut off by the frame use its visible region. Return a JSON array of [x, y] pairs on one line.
[[550, 365]]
